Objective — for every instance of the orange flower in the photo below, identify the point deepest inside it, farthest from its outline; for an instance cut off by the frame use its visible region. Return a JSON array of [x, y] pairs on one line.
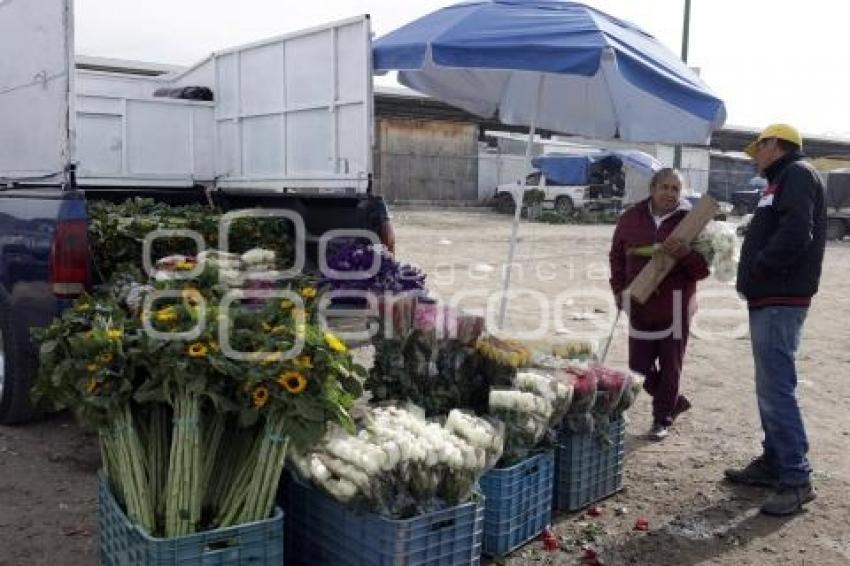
[[261, 397], [293, 382], [197, 350]]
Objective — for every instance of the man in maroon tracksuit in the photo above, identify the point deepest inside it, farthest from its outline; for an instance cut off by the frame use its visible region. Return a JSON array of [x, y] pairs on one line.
[[658, 333]]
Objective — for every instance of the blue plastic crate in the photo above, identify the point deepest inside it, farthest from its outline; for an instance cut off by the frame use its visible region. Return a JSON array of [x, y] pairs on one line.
[[517, 503], [124, 544], [320, 531], [589, 467]]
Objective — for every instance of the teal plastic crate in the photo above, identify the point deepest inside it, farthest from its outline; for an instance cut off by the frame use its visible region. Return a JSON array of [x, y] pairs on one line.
[[124, 544], [322, 532], [518, 503], [589, 467]]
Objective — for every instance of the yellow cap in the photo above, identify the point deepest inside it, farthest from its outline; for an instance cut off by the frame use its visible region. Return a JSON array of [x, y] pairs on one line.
[[778, 131]]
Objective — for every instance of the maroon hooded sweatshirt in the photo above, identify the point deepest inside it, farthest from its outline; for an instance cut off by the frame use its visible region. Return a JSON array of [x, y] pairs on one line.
[[636, 228]]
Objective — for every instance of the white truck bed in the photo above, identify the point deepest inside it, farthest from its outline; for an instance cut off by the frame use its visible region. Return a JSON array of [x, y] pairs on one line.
[[291, 113]]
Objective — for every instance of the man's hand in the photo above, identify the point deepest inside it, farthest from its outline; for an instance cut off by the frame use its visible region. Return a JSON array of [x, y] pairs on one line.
[[676, 247]]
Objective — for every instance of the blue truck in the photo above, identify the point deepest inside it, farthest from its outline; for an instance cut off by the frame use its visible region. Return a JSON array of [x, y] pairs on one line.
[[261, 137]]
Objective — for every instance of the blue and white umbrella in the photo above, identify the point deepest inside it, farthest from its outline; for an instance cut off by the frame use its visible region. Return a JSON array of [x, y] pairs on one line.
[[562, 66]]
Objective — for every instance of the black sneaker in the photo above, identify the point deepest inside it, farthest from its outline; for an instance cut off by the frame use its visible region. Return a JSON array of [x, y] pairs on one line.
[[788, 500], [758, 473], [682, 405]]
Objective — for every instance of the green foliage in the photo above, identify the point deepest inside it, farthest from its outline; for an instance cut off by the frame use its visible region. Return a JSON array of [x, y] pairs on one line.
[[117, 232]]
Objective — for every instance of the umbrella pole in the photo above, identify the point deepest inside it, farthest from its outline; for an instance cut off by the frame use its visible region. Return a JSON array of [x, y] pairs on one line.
[[518, 198]]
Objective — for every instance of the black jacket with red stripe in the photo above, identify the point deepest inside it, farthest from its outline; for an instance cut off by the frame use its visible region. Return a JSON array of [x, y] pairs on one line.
[[783, 250]]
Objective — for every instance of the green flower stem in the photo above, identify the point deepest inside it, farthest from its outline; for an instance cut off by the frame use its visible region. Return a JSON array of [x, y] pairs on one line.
[[270, 463], [131, 464], [183, 506]]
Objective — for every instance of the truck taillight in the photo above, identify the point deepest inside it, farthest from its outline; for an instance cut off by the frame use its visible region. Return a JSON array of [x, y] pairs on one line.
[[388, 236], [69, 259]]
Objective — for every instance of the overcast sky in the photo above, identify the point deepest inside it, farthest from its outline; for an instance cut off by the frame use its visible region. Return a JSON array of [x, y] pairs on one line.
[[769, 60]]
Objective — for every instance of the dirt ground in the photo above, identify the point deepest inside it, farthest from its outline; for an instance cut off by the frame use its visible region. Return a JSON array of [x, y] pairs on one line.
[[48, 509]]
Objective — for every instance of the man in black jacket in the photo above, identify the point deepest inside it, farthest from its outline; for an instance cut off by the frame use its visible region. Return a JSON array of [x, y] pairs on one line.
[[778, 275]]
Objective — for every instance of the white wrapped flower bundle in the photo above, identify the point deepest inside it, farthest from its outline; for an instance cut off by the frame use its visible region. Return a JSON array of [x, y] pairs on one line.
[[399, 464], [718, 244]]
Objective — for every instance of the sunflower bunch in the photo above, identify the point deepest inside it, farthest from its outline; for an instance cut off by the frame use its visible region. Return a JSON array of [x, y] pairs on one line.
[[502, 351], [85, 366], [168, 402], [296, 380]]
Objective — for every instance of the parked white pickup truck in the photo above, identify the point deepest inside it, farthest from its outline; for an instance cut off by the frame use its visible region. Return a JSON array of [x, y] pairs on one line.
[[563, 198], [572, 181]]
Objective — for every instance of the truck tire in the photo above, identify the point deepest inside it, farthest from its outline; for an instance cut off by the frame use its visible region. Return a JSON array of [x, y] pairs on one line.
[[836, 228], [17, 372], [504, 203], [564, 205]]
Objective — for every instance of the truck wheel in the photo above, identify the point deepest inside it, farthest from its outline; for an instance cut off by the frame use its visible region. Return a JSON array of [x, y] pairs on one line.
[[504, 203], [17, 372], [564, 205], [835, 229]]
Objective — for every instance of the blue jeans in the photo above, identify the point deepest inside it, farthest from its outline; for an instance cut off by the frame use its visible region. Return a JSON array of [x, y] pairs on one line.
[[775, 334]]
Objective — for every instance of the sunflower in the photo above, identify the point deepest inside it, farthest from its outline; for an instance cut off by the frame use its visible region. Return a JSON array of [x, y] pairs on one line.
[[168, 314], [293, 382], [197, 350], [286, 304], [104, 358], [115, 334], [91, 385], [303, 362], [261, 397], [309, 292], [335, 343]]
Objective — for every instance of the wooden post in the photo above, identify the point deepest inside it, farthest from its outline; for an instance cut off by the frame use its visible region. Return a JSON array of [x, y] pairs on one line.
[[661, 263]]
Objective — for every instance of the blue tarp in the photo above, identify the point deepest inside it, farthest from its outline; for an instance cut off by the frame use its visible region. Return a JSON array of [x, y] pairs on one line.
[[574, 169], [564, 169]]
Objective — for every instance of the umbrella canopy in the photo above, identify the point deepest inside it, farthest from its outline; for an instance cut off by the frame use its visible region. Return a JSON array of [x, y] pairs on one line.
[[563, 66]]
